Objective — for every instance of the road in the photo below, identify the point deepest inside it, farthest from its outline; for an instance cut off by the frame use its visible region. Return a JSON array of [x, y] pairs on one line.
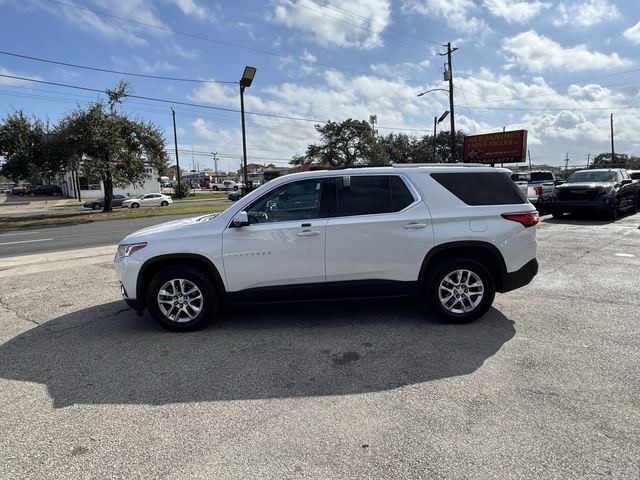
[[545, 386], [94, 234]]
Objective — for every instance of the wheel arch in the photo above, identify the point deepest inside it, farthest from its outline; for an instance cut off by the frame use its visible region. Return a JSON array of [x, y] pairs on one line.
[[155, 264], [483, 252]]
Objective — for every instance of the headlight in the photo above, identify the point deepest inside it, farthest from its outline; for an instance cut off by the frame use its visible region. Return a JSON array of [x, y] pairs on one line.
[[126, 250]]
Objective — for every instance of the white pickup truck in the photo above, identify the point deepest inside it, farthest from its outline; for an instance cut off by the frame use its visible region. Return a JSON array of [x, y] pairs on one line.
[[538, 186], [227, 185]]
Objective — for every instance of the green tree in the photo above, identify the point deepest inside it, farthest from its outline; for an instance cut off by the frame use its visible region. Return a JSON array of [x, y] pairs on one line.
[[604, 160], [344, 144], [25, 148], [111, 146]]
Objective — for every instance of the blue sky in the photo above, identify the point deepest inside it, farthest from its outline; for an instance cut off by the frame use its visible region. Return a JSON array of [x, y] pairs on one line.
[[557, 69]]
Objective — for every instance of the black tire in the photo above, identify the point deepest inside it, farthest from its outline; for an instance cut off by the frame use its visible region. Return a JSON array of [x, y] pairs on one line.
[[210, 301], [97, 206], [235, 188], [614, 212], [31, 194], [557, 213], [446, 268], [164, 203], [135, 205]]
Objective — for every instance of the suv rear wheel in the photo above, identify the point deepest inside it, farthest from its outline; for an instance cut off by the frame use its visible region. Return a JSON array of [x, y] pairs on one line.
[[460, 290], [181, 298]]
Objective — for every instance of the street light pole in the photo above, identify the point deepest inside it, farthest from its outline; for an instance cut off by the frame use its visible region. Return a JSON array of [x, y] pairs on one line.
[[175, 140], [245, 81], [613, 154], [435, 123]]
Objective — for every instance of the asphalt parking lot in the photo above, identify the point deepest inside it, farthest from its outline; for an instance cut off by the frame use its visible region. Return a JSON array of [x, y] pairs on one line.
[[545, 386]]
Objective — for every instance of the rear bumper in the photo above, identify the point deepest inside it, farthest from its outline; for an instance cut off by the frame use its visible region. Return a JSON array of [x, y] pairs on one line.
[[521, 277]]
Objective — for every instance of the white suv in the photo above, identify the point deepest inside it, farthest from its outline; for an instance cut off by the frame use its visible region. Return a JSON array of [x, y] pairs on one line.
[[451, 234]]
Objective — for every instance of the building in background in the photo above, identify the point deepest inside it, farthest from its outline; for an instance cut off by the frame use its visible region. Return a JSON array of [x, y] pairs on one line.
[[75, 184]]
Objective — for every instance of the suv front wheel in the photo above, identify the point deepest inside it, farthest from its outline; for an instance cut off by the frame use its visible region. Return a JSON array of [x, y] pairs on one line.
[[460, 291], [182, 298]]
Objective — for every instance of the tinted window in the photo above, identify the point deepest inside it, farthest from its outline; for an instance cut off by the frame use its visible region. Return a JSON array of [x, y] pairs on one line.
[[481, 188], [541, 176], [592, 176], [366, 195], [635, 175], [293, 201]]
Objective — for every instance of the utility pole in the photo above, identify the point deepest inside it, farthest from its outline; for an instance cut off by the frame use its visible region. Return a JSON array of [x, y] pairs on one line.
[[175, 140], [529, 154], [588, 158], [435, 123], [449, 76], [613, 154], [566, 162], [215, 161], [373, 119]]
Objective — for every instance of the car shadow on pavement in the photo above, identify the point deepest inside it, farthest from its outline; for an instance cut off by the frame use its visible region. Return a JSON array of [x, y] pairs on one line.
[[108, 355]]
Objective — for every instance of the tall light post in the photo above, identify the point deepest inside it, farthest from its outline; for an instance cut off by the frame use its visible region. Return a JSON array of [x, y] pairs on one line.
[[436, 121], [245, 81]]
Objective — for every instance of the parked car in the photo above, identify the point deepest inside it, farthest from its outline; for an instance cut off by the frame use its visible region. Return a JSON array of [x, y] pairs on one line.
[[148, 200], [44, 190], [426, 231], [538, 186], [19, 190], [605, 190], [235, 196], [98, 203]]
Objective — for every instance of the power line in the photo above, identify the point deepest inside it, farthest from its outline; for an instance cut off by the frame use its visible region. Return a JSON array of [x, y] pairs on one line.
[[364, 19], [362, 27], [106, 70], [542, 109], [212, 40], [175, 102]]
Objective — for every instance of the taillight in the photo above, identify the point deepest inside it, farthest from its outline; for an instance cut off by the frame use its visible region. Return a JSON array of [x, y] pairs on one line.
[[529, 219], [538, 190]]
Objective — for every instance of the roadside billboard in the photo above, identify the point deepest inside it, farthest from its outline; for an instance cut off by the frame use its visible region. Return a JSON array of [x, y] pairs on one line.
[[502, 147]]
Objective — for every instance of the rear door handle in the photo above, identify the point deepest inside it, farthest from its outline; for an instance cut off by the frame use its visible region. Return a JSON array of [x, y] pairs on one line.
[[308, 233], [415, 226]]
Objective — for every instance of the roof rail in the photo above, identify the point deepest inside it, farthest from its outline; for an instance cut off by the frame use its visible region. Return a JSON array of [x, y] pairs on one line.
[[416, 165]]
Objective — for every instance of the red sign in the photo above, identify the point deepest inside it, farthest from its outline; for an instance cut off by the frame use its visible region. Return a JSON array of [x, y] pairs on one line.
[[502, 147]]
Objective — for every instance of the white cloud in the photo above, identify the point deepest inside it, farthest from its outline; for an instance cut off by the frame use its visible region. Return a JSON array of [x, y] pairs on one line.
[[585, 13], [633, 33], [402, 70], [357, 23], [191, 8], [157, 66], [13, 81], [518, 11], [537, 53], [138, 10], [458, 14]]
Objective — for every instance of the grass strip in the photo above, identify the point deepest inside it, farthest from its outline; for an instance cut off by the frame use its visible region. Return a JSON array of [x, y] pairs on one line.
[[120, 214]]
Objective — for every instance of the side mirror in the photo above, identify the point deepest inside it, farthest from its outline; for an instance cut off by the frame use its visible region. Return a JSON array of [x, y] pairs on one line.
[[241, 219]]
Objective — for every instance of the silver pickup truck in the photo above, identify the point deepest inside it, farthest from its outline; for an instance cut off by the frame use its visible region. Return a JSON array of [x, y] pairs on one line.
[[538, 186]]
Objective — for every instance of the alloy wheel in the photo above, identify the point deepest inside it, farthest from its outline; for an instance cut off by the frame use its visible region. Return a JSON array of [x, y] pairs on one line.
[[180, 300], [460, 291]]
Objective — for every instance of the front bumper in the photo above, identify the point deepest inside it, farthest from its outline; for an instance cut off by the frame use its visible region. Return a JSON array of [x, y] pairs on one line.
[[520, 277], [581, 205]]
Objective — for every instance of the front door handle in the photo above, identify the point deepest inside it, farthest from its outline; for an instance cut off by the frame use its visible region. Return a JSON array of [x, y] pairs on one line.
[[308, 233], [415, 226]]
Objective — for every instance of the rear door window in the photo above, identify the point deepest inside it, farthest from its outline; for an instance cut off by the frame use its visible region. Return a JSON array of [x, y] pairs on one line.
[[481, 188], [371, 194]]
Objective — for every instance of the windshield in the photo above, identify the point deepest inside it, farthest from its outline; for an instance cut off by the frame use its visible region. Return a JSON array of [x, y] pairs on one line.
[[592, 176]]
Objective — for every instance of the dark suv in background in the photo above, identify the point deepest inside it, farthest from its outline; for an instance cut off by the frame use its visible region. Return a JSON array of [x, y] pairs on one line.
[[609, 191]]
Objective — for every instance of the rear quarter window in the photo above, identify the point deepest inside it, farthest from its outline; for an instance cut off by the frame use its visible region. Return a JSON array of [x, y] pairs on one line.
[[481, 188]]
